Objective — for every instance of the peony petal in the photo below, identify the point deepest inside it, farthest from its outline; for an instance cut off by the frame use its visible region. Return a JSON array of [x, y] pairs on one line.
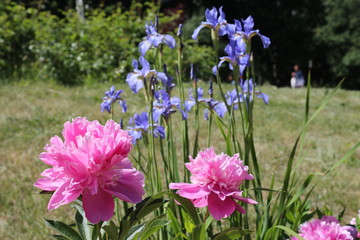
[[180, 185], [64, 195], [98, 207], [193, 192], [239, 208], [130, 186], [220, 209], [48, 184], [245, 200], [200, 202]]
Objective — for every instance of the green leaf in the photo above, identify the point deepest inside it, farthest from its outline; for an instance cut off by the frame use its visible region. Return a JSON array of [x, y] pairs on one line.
[[289, 167], [187, 221], [302, 188], [341, 215], [175, 226], [143, 208], [125, 228], [64, 229], [220, 125], [152, 227], [231, 233], [344, 158], [290, 217], [59, 237], [95, 232], [84, 226], [187, 205], [135, 231], [286, 229], [111, 230], [138, 212], [208, 222], [198, 232]]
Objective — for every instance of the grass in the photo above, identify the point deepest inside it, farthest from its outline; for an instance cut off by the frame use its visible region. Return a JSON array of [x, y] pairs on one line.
[[32, 113]]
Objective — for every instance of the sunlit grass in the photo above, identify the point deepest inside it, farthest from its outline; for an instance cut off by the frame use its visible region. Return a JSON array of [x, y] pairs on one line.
[[32, 113]]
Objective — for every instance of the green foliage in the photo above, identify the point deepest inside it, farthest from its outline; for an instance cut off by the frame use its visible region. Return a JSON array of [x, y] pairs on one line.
[[16, 33], [37, 44], [127, 230], [340, 35]]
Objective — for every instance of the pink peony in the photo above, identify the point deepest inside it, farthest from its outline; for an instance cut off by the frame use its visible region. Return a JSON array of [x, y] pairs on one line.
[[326, 228], [91, 162], [215, 181]]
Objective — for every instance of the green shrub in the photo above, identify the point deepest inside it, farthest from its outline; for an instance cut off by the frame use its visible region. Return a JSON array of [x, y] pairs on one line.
[[39, 45]]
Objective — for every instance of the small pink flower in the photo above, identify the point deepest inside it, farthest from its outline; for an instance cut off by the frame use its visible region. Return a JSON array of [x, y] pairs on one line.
[[215, 181], [326, 228], [91, 162]]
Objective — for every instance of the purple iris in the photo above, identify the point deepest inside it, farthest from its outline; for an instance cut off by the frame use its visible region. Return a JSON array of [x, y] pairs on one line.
[[215, 20], [218, 107], [236, 55], [232, 98], [179, 32], [137, 77], [112, 96], [236, 32], [164, 105], [168, 81], [248, 87], [141, 125], [192, 101], [155, 39]]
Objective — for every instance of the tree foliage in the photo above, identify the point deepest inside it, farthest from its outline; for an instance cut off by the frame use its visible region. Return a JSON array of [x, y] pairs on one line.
[[340, 35], [323, 32]]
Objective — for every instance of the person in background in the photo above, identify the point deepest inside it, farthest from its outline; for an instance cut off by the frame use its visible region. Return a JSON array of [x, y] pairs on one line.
[[300, 80], [297, 78], [293, 80]]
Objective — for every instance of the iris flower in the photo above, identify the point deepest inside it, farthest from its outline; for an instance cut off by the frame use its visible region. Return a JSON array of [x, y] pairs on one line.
[[112, 96], [218, 107], [248, 87], [155, 39], [236, 51], [164, 105], [192, 101], [215, 20], [140, 125], [136, 79], [232, 98], [236, 32]]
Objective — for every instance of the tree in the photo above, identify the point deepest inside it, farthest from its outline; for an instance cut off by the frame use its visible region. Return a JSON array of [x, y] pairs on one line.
[[340, 34]]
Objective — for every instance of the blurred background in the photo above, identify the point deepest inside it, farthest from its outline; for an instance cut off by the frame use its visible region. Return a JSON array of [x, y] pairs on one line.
[[84, 41]]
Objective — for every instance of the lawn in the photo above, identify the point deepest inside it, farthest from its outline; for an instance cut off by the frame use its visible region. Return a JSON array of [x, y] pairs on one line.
[[32, 113]]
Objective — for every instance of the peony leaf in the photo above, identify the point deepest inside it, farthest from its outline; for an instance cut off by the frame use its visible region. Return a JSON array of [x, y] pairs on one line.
[[151, 227], [231, 233], [64, 229], [187, 205], [135, 231], [111, 231], [84, 226], [199, 232]]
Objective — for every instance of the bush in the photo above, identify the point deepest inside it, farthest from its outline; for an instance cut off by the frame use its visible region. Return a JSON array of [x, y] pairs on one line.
[[40, 45]]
